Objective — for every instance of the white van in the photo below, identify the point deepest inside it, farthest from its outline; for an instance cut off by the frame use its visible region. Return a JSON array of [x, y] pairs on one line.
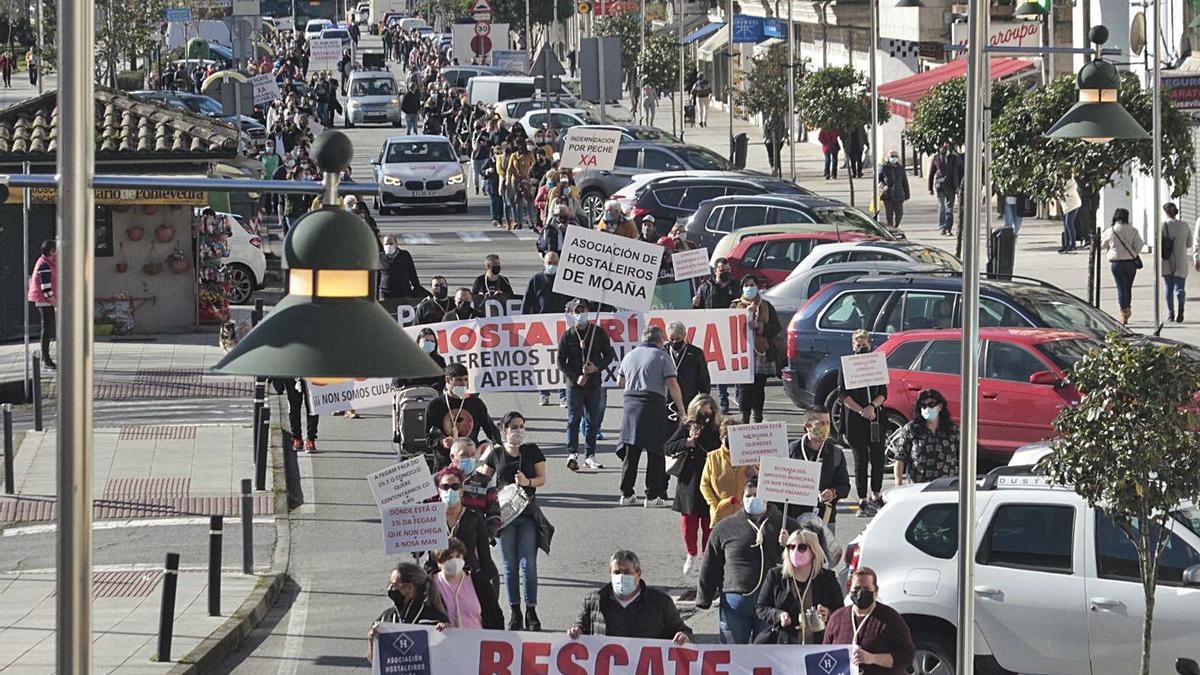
[[412, 23], [493, 88]]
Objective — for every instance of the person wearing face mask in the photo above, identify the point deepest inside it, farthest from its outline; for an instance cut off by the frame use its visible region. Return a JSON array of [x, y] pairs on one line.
[[764, 323], [879, 638], [628, 607], [479, 493], [722, 483], [584, 354], [927, 447], [691, 366], [470, 602], [741, 549], [680, 235], [491, 285], [555, 231], [414, 601], [398, 273], [433, 308], [893, 188], [468, 526], [816, 446], [649, 230], [427, 341], [457, 414], [522, 464], [464, 307], [614, 221], [862, 428], [690, 445], [718, 291], [540, 297], [651, 386], [516, 170], [798, 595]]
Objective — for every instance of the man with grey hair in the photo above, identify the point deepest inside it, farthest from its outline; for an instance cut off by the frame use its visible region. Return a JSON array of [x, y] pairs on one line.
[[691, 367], [648, 376], [627, 607]]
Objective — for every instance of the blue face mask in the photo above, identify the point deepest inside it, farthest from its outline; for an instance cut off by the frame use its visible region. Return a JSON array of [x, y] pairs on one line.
[[467, 464], [930, 414], [755, 506], [551, 269], [428, 346], [623, 584], [451, 497], [750, 292]]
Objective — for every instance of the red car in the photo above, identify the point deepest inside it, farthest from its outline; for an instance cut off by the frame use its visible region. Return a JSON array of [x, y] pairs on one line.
[[772, 257], [1021, 383]]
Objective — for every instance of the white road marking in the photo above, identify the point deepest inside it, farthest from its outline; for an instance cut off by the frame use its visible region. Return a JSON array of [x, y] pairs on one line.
[[525, 235], [417, 239], [307, 485], [474, 236], [135, 567], [289, 660], [124, 524]]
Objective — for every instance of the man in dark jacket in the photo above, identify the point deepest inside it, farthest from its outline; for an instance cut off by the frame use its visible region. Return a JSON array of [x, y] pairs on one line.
[[540, 297], [691, 368], [719, 292], [741, 548], [433, 308], [457, 414], [893, 188], [816, 446], [945, 175], [584, 353], [627, 607], [464, 307], [397, 273]]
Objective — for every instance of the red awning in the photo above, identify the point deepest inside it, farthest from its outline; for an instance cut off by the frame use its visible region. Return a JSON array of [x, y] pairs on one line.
[[903, 94]]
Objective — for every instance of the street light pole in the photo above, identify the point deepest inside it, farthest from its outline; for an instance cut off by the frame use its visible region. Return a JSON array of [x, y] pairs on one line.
[[729, 83], [1156, 132], [680, 17], [75, 165], [874, 54], [791, 93], [41, 46], [638, 64]]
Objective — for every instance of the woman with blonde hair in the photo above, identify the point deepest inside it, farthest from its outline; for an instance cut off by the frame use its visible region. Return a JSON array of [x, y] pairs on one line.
[[797, 595], [687, 452], [722, 483]]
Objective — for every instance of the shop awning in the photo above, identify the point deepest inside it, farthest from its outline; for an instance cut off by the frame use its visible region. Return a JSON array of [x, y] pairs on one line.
[[903, 94], [713, 44], [703, 32], [762, 47]]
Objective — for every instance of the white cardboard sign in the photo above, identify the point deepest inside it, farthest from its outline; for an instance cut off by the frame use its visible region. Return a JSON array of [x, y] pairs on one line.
[[266, 89], [414, 528], [690, 264], [324, 53], [795, 481], [590, 149], [749, 443], [408, 482], [865, 370], [360, 394], [608, 269]]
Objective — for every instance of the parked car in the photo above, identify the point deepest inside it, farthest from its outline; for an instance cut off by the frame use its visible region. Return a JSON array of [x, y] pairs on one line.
[[730, 241], [721, 214], [244, 259], [859, 251], [336, 33], [672, 200], [1057, 588], [372, 97], [638, 157], [771, 257], [564, 118], [626, 195], [1022, 379], [639, 132], [458, 76], [512, 110], [791, 293], [492, 88], [313, 28], [200, 104], [819, 334], [419, 171]]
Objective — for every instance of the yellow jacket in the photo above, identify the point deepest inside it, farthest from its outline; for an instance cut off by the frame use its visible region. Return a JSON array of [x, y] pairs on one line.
[[722, 484]]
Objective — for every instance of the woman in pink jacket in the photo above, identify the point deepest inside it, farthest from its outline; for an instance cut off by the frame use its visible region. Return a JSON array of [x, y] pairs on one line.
[[43, 293]]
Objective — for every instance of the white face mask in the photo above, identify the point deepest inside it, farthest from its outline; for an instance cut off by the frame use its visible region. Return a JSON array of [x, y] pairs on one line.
[[458, 390], [454, 567], [623, 584], [389, 249]]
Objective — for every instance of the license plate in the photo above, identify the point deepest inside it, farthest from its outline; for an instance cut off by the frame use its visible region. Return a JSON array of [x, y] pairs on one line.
[[422, 193]]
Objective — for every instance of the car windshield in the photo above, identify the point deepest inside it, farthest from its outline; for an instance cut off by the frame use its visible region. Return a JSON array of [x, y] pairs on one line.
[[409, 152], [935, 256], [1057, 309], [851, 219], [1066, 353], [335, 34], [1189, 517], [703, 159], [377, 86], [652, 134], [202, 105]]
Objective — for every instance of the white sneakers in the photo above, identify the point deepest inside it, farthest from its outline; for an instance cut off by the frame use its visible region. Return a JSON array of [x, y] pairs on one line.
[[687, 564], [573, 462], [628, 501], [655, 503], [591, 463]]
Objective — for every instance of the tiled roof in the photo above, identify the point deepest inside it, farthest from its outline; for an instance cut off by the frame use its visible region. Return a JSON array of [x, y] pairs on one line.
[[124, 124]]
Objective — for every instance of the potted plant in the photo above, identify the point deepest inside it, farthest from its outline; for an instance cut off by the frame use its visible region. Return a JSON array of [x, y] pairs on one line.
[[178, 262], [122, 267], [135, 233], [149, 209], [152, 268], [164, 232]]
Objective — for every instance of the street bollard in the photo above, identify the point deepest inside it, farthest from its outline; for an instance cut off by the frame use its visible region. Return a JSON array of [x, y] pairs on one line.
[[166, 614], [256, 314], [260, 398], [247, 528], [10, 481], [37, 393], [260, 458], [216, 526]]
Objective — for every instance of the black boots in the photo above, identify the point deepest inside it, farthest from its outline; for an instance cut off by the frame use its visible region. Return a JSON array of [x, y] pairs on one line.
[[532, 622], [515, 620]]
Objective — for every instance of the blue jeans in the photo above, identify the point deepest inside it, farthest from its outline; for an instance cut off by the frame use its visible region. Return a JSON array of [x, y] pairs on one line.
[[510, 204], [410, 124], [587, 424], [1012, 217], [1123, 272], [518, 546], [1174, 286], [738, 623], [723, 396], [1068, 236], [584, 404], [496, 200], [945, 211], [477, 173], [831, 164]]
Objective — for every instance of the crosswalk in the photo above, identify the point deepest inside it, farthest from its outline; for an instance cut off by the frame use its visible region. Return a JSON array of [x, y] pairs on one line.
[[410, 238]]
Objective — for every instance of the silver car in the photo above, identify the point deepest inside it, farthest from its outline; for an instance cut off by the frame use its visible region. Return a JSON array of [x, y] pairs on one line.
[[373, 97], [415, 171]]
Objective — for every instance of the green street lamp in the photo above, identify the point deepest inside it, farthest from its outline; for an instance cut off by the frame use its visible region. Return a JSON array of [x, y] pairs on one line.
[[1029, 11], [1098, 117], [329, 326], [909, 3]]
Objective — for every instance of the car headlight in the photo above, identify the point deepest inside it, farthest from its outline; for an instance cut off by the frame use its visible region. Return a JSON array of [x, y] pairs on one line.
[[352, 104], [456, 179], [395, 101], [392, 180]]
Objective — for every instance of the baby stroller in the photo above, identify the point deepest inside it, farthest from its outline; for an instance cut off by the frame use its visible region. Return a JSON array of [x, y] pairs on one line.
[[408, 424]]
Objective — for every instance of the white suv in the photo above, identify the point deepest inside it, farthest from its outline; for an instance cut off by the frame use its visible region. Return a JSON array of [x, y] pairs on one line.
[[1057, 589]]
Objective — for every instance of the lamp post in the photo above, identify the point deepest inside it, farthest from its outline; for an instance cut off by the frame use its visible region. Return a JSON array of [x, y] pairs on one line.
[[1030, 10], [791, 93], [873, 53]]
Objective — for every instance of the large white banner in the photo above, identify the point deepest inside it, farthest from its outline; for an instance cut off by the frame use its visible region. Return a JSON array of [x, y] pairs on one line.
[[608, 269], [404, 649], [517, 353], [358, 393]]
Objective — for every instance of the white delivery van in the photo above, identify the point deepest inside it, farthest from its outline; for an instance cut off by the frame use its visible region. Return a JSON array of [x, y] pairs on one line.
[[493, 88]]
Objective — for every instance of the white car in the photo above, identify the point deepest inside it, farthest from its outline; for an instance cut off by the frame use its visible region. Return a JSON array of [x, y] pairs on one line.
[[789, 295], [372, 96], [419, 171], [626, 195], [563, 118], [245, 261], [313, 28], [1057, 589], [860, 251], [336, 33]]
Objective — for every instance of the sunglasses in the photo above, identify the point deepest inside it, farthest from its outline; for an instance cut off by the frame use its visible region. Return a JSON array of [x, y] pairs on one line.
[[797, 547], [929, 404], [452, 486]]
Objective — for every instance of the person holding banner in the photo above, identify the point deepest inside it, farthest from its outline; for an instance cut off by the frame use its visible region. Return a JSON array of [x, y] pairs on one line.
[[464, 306], [414, 601], [627, 607], [687, 451], [717, 292], [861, 426], [470, 602], [816, 446], [648, 376], [764, 322], [722, 483], [796, 596], [456, 414], [584, 353], [881, 642]]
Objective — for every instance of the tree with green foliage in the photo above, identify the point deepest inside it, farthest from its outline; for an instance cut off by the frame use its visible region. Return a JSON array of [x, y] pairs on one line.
[[659, 63], [124, 29], [1130, 448], [837, 97], [540, 11], [940, 116], [761, 93]]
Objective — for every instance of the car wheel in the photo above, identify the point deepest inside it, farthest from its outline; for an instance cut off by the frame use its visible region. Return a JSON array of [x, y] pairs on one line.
[[933, 656], [241, 283], [593, 204]]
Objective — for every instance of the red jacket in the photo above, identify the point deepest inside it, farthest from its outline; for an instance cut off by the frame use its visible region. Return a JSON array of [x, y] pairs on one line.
[[829, 140]]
